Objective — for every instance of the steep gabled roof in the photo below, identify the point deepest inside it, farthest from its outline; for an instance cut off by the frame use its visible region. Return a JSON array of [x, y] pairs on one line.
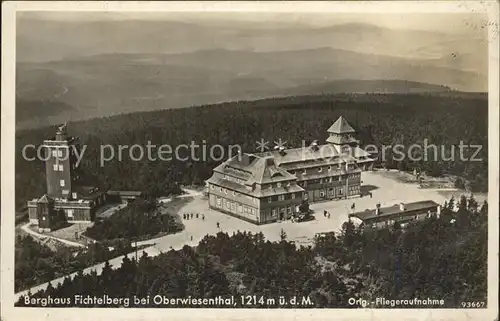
[[252, 168], [45, 199], [341, 126]]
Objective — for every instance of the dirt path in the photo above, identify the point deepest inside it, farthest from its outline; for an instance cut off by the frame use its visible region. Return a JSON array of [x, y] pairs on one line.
[[26, 228]]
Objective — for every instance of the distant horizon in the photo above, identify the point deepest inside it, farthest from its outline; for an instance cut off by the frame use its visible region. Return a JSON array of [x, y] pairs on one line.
[[434, 22], [105, 63]]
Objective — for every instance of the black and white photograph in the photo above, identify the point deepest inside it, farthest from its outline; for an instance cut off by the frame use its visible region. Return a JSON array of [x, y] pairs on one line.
[[302, 157]]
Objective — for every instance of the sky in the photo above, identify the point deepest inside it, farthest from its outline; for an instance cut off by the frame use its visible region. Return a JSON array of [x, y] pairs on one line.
[[442, 22]]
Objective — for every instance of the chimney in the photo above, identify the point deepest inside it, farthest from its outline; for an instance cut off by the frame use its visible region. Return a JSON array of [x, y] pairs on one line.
[[314, 146], [282, 150], [438, 209], [377, 211], [401, 207]]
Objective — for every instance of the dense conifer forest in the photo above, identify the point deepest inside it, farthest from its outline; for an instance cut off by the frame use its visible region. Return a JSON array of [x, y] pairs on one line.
[[381, 119], [142, 219], [440, 258], [36, 263]]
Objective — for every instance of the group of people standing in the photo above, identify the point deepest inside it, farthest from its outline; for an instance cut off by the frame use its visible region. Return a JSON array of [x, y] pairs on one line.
[[187, 216]]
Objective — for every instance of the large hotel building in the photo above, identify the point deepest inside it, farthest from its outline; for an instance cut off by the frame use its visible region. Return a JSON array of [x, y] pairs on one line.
[[267, 187]]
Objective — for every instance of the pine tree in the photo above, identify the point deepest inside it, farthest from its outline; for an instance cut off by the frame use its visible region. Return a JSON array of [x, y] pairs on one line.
[[472, 205], [462, 206]]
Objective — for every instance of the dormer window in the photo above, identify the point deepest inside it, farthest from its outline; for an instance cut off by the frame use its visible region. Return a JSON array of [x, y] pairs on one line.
[[320, 169], [330, 168], [279, 185]]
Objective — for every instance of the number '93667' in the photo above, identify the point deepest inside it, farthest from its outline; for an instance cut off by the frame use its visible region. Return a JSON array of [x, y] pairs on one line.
[[474, 304]]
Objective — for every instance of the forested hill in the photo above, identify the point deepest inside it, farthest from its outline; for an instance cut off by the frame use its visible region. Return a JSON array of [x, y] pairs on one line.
[[381, 119]]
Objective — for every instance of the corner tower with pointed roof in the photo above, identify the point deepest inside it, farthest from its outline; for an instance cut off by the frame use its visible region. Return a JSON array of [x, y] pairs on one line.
[[341, 133]]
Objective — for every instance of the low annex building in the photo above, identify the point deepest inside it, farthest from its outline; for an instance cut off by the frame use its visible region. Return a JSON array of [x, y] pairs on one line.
[[267, 187], [401, 213]]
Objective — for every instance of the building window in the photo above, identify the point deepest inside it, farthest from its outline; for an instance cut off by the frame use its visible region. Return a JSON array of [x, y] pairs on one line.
[[54, 167], [279, 185], [240, 208], [213, 187], [320, 169], [62, 183], [322, 194], [329, 168], [340, 178], [225, 190], [340, 191], [59, 153], [274, 212], [220, 189], [304, 172], [293, 196], [234, 193], [61, 167], [218, 201], [331, 179], [74, 195], [269, 199], [281, 197], [70, 213]]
